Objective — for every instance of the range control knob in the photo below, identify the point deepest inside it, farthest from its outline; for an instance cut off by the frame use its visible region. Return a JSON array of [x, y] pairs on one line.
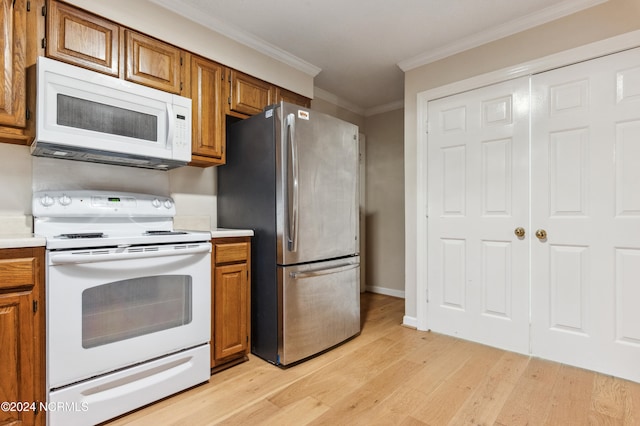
[[65, 200], [168, 203], [47, 200], [156, 203]]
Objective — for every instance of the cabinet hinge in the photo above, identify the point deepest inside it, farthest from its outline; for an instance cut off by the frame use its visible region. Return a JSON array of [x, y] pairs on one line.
[[44, 43], [35, 306], [180, 60], [44, 10], [28, 114], [229, 100], [180, 86]]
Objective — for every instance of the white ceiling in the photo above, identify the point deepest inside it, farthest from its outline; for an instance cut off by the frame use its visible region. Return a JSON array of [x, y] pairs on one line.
[[359, 48]]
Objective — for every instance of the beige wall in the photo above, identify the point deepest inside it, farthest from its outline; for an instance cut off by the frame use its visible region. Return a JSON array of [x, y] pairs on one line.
[[384, 219], [333, 110], [606, 20]]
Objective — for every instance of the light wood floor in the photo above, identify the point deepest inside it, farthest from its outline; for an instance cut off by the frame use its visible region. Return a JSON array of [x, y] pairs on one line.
[[392, 375]]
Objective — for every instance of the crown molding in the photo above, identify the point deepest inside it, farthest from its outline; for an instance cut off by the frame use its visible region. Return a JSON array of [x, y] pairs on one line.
[[548, 14], [380, 109], [336, 100], [234, 33]]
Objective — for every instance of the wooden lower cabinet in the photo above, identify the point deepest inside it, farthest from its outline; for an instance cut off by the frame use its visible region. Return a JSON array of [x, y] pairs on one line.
[[22, 348], [230, 301]]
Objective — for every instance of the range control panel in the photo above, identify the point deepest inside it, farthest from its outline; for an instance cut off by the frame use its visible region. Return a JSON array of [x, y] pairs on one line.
[[100, 203]]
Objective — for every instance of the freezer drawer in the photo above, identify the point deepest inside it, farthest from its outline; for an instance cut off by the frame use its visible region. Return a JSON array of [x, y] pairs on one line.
[[320, 307]]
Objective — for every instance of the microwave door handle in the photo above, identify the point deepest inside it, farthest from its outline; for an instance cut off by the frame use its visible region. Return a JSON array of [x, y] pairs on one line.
[[170, 125]]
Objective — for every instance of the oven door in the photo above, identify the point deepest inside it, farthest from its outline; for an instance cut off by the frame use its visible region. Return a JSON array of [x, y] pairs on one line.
[[115, 307]]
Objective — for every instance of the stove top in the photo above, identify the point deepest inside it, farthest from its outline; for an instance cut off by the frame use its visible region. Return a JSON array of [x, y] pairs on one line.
[[79, 219]]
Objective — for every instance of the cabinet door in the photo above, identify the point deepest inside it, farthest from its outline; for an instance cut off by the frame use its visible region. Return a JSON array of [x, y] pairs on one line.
[[292, 98], [230, 314], [208, 140], [248, 95], [82, 39], [21, 331], [152, 63], [13, 42], [16, 331]]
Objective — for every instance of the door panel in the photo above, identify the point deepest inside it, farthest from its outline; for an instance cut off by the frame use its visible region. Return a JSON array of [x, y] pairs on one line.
[[478, 194], [326, 152], [585, 195]]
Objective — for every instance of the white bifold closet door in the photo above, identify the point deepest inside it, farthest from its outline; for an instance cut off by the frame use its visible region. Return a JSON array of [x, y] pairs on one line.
[[585, 162], [478, 172], [569, 290]]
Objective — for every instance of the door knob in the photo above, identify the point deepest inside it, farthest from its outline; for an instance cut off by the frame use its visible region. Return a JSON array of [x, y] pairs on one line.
[[519, 231], [541, 234]]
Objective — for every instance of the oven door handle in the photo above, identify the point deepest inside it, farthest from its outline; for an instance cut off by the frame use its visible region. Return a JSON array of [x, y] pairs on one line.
[[91, 256]]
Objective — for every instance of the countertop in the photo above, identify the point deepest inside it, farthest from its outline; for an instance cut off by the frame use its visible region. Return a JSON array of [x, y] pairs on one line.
[[16, 231], [222, 232], [21, 240]]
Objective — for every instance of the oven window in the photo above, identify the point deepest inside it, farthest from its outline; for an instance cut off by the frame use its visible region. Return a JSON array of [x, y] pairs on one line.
[[130, 308], [89, 115]]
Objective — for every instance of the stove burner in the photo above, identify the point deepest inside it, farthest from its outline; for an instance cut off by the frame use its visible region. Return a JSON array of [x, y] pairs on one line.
[[165, 233], [83, 235]]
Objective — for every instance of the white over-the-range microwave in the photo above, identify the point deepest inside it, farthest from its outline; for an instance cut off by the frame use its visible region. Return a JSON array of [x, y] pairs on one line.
[[87, 116]]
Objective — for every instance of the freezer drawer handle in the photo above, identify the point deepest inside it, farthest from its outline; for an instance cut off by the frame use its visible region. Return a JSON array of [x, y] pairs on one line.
[[326, 271]]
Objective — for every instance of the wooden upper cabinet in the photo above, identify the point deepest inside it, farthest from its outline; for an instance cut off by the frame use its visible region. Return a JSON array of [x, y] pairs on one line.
[[152, 62], [291, 97], [208, 139], [82, 39], [13, 42], [248, 95]]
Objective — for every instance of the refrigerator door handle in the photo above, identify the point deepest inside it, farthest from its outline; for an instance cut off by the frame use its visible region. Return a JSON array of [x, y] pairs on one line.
[[293, 212], [325, 271]]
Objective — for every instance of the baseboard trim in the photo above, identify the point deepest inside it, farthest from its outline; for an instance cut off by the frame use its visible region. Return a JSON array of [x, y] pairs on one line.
[[385, 291]]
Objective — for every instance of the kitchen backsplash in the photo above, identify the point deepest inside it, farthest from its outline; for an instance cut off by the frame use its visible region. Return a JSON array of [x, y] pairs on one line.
[[53, 174], [193, 189]]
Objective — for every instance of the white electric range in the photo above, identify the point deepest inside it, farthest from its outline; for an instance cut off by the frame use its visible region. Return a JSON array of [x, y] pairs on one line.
[[128, 302]]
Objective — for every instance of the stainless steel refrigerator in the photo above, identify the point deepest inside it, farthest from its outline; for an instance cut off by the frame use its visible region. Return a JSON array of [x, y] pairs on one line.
[[292, 176]]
